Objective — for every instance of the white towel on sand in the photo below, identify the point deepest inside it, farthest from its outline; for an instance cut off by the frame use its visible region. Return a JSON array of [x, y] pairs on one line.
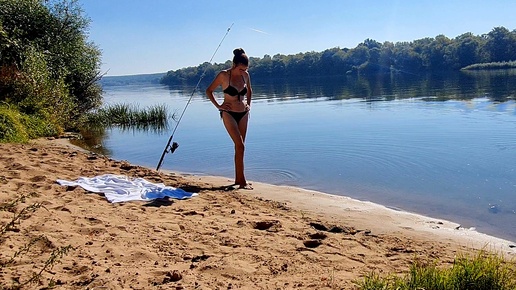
[[119, 188]]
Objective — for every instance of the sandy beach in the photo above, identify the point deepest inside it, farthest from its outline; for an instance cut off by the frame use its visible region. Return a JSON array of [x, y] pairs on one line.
[[273, 237]]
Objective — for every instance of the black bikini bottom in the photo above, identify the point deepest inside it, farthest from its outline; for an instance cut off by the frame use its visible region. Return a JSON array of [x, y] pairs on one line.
[[236, 115]]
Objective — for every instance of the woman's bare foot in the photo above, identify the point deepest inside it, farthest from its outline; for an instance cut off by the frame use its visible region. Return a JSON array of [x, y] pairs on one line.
[[246, 186]]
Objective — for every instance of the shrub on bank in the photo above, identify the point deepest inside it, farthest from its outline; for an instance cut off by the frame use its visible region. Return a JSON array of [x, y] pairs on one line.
[[33, 103], [11, 127], [19, 128], [49, 72]]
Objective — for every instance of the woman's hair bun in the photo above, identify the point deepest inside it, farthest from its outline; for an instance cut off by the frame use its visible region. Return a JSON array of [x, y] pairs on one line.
[[240, 57], [238, 51]]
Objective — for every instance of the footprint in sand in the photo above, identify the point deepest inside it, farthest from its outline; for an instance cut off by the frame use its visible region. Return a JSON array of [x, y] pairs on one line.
[[271, 225], [315, 240], [334, 229]]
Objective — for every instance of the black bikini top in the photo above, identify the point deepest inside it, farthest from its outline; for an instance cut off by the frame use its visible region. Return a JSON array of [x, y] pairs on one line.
[[232, 91]]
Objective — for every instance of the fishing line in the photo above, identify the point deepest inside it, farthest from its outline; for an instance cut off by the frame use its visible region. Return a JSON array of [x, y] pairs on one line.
[[171, 148]]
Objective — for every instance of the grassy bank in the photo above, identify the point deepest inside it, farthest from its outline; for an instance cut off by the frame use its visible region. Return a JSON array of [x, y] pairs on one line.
[[484, 271]]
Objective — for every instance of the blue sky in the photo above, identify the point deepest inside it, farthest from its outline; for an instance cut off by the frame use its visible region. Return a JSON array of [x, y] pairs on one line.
[[140, 37]]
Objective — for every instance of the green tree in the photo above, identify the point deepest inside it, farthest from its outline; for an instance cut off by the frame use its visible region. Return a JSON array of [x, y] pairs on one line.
[[467, 49], [407, 58], [58, 29], [278, 65], [387, 56], [327, 63], [264, 66], [47, 66], [501, 44]]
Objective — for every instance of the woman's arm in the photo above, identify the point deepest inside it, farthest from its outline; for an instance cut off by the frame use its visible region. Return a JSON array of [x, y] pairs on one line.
[[212, 87], [249, 91]]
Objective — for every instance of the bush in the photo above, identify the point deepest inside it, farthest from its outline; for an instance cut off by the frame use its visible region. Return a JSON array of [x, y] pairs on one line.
[[19, 128], [35, 105], [43, 95], [11, 127]]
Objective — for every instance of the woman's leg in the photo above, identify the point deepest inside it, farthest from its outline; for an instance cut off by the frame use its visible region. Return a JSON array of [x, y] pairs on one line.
[[242, 127], [237, 132]]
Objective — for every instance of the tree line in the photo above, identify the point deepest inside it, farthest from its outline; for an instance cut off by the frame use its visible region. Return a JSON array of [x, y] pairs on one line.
[[428, 54]]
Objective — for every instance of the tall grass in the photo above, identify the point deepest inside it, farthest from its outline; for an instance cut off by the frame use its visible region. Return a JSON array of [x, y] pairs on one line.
[[485, 271], [129, 116]]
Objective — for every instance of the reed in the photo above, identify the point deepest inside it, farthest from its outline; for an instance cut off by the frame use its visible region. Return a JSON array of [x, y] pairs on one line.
[[491, 65], [129, 116]]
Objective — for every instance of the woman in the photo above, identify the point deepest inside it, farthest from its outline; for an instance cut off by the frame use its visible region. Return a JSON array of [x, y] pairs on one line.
[[234, 111]]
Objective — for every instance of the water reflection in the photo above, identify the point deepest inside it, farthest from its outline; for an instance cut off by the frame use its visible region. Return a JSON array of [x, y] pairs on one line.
[[93, 140]]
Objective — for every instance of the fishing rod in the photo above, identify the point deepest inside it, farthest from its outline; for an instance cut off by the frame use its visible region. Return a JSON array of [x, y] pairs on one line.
[[171, 148]]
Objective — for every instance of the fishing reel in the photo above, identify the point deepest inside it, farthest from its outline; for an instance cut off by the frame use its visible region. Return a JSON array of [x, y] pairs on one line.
[[172, 148], [168, 149]]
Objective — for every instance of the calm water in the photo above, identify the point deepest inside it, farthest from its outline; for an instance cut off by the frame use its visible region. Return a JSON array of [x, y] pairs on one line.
[[442, 146]]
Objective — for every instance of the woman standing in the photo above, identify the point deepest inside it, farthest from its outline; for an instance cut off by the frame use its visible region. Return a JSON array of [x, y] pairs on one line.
[[234, 110]]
